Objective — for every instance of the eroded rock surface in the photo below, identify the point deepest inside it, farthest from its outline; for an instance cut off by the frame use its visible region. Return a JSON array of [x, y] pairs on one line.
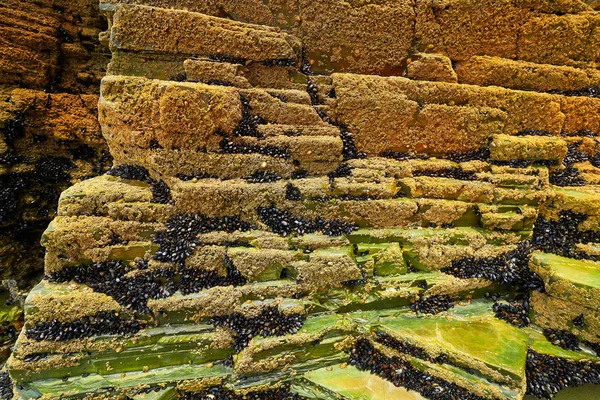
[[51, 63], [327, 199]]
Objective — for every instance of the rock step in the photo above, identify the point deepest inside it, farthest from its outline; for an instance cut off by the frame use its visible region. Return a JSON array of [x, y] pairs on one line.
[[463, 327], [261, 255], [222, 124], [49, 302], [239, 129], [286, 82], [348, 382], [320, 354], [502, 189], [170, 343], [404, 113], [214, 72], [141, 28], [574, 325], [258, 260], [272, 130], [529, 148], [546, 363], [525, 31], [523, 75], [263, 352], [577, 281]]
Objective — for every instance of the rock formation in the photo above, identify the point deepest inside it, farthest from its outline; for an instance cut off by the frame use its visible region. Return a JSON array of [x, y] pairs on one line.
[[327, 199], [51, 63]]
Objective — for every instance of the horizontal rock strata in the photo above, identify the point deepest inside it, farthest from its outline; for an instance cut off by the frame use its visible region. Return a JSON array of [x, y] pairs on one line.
[[330, 200]]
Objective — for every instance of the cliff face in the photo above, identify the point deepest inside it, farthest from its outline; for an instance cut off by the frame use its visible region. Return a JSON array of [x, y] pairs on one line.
[[52, 45], [51, 63], [312, 199]]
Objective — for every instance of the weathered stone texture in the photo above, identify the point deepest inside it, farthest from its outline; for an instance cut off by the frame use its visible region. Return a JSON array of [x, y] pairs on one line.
[[51, 63], [307, 199]]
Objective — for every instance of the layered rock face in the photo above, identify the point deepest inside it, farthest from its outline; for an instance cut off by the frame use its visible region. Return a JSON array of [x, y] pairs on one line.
[[330, 200], [51, 63]]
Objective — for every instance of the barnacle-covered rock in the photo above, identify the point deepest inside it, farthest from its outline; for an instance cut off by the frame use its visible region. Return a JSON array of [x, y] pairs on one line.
[[277, 224]]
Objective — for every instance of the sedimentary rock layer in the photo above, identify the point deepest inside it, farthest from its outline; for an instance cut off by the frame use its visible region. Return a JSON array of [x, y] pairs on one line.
[[307, 196]]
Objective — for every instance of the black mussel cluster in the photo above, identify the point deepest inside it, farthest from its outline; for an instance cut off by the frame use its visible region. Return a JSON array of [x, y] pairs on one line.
[[514, 312], [108, 277], [6, 388], [511, 268], [534, 132], [115, 240], [127, 171], [45, 181], [270, 322], [569, 175], [281, 392], [53, 169], [349, 149], [513, 163], [104, 323], [589, 91], [481, 154], [195, 175], [453, 173], [11, 189], [299, 174], [401, 373], [178, 241], [547, 375], [161, 193], [357, 282], [263, 177], [562, 338], [228, 146], [292, 192], [225, 58], [407, 348], [403, 156], [313, 92], [133, 292], [561, 236], [433, 304], [284, 223], [579, 321], [279, 62], [249, 122], [341, 171]]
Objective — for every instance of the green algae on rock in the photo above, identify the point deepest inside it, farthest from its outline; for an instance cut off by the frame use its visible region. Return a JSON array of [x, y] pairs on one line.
[[279, 225]]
